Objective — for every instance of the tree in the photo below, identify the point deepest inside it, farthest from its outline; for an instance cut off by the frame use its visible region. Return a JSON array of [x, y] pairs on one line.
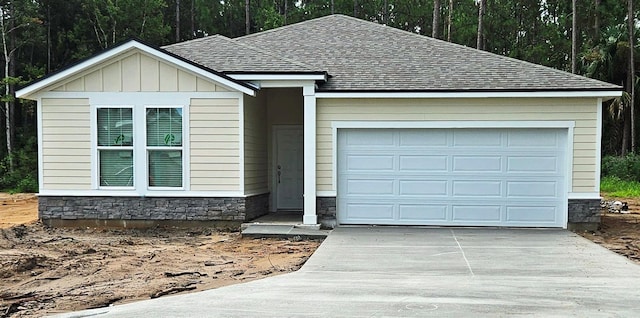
[[247, 21], [574, 37], [481, 8], [449, 20], [632, 74], [435, 31]]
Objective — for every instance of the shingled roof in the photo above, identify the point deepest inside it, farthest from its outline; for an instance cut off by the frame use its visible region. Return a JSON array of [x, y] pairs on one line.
[[366, 56]]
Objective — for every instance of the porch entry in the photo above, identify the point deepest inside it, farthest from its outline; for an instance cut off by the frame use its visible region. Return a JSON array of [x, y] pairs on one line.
[[288, 167]]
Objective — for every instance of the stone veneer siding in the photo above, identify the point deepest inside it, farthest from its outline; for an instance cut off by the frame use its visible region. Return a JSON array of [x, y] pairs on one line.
[[583, 213], [152, 208], [326, 207]]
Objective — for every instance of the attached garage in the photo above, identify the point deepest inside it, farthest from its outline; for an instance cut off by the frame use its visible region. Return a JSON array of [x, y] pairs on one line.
[[464, 177]]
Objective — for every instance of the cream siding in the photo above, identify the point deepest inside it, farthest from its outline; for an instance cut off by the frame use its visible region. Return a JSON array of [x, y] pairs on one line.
[[136, 72], [214, 144], [583, 111], [255, 145], [66, 144]]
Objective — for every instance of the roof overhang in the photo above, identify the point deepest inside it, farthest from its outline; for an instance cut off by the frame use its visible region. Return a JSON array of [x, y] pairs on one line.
[[605, 95], [313, 76], [235, 84]]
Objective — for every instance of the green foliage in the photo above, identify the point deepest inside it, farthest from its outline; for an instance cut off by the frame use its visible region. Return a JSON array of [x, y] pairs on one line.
[[624, 168], [615, 187], [24, 177]]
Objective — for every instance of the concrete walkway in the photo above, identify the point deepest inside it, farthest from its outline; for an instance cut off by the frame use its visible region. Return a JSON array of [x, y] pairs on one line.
[[421, 272]]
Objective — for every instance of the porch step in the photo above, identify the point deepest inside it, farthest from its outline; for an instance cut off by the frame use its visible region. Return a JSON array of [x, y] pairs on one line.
[[259, 230]]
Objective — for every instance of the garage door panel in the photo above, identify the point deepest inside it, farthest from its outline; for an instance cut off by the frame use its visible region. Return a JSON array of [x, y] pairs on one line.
[[370, 187], [423, 138], [533, 164], [423, 163], [370, 163], [423, 212], [476, 137], [532, 214], [473, 188], [369, 212], [536, 189], [371, 137], [533, 138], [486, 177], [476, 213], [423, 187], [481, 164]]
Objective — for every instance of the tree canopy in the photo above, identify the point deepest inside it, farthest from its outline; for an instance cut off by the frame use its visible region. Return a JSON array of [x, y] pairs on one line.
[[41, 36]]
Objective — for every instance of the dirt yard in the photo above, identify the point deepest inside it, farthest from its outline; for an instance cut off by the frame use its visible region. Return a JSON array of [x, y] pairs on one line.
[[51, 270], [620, 232]]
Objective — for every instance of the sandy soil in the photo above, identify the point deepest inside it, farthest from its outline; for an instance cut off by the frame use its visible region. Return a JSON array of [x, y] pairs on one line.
[[50, 270], [620, 232], [46, 270]]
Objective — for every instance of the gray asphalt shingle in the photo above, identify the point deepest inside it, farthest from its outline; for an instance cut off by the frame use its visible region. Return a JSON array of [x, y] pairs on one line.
[[366, 56]]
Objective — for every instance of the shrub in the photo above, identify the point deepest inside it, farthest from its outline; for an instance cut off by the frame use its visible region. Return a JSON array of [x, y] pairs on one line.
[[624, 168], [24, 177]]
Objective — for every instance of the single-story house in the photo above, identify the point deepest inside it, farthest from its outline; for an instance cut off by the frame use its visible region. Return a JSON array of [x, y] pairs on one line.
[[335, 117]]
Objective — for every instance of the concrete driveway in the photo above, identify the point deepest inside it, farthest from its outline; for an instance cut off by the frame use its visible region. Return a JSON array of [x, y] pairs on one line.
[[418, 272]]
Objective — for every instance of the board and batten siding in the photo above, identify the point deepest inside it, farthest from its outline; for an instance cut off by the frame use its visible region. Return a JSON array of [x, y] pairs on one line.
[[214, 144], [583, 111], [255, 145], [66, 144], [137, 72]]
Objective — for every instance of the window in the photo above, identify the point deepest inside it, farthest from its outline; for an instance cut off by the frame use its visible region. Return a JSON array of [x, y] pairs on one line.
[[115, 147], [164, 146]]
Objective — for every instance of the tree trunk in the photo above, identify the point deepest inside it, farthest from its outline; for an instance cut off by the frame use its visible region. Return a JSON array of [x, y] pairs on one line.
[[6, 50], [632, 76], [435, 29], [247, 24], [286, 8], [355, 8], [596, 22], [333, 6], [385, 12], [177, 20], [479, 40], [449, 20], [574, 37], [193, 19]]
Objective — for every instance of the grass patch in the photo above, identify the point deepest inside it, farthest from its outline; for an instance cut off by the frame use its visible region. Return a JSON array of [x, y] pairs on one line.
[[615, 187]]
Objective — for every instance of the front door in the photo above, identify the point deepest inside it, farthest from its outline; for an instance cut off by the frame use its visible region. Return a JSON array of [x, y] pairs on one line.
[[289, 169]]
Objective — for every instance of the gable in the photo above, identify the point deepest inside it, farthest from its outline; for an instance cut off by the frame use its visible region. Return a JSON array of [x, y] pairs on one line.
[[135, 67], [137, 72]]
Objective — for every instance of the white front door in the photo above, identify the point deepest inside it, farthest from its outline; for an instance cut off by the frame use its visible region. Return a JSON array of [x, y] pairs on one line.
[[289, 167]]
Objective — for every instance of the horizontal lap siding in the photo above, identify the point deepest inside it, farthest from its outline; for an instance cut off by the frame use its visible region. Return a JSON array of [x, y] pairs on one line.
[[581, 110], [214, 145], [255, 145], [66, 144]]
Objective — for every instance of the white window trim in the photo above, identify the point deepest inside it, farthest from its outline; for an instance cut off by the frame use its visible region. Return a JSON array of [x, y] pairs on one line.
[[139, 102], [95, 153], [181, 148]]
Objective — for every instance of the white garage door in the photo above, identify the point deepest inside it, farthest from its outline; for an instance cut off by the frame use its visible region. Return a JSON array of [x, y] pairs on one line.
[[471, 177]]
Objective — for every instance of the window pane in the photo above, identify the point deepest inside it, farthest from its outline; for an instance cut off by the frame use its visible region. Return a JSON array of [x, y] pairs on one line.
[[165, 168], [164, 127], [115, 127], [116, 168]]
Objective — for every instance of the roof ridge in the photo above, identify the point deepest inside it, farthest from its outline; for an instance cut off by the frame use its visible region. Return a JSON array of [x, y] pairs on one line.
[[284, 27], [205, 38]]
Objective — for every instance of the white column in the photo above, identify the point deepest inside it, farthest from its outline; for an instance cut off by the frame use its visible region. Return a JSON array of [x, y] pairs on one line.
[[310, 216]]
